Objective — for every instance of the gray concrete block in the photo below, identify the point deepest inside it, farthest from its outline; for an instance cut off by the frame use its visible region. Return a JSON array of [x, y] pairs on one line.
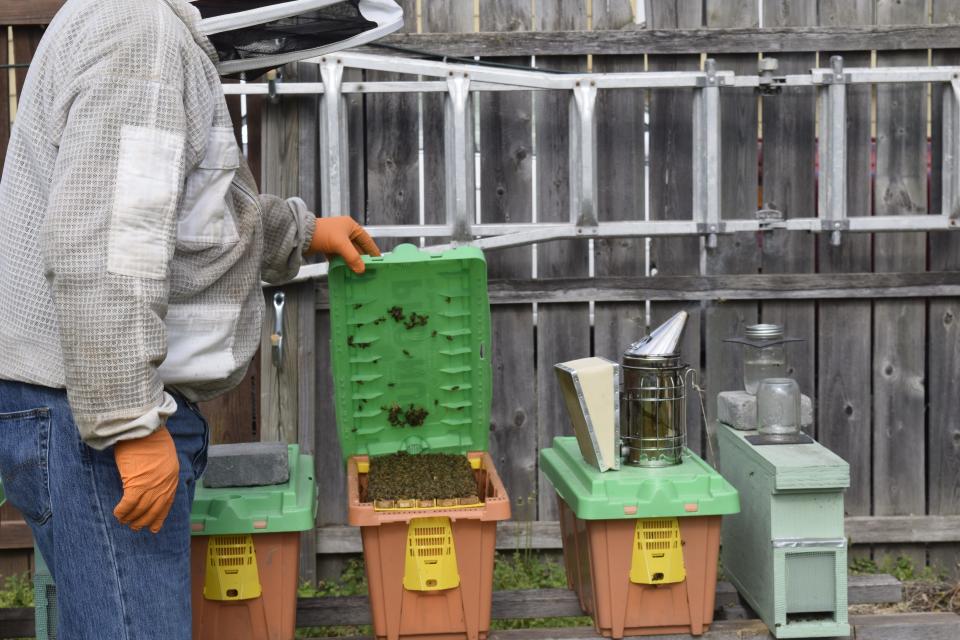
[[738, 409], [248, 464]]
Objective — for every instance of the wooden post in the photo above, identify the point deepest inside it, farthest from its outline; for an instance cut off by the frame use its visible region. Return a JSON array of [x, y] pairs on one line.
[[738, 199], [789, 150], [899, 327], [844, 406], [943, 368], [506, 194], [563, 330], [671, 189]]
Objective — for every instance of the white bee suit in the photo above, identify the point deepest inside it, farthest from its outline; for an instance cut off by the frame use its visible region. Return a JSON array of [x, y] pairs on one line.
[[132, 236]]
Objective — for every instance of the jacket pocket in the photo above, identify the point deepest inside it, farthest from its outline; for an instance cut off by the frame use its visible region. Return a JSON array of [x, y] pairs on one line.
[[24, 451], [206, 214], [200, 341]]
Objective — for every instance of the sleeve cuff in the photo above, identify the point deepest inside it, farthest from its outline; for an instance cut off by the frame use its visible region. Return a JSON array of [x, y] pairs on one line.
[[306, 221], [107, 430]]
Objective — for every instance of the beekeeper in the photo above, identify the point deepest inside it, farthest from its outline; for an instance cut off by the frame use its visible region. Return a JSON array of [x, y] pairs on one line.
[[132, 246]]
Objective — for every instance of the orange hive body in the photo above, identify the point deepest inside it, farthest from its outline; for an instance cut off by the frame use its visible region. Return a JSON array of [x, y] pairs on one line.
[[594, 553], [273, 615], [459, 612]]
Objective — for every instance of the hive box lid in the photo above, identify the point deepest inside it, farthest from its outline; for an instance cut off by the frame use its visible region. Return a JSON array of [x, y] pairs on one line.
[[410, 341], [278, 508], [689, 489], [793, 466]]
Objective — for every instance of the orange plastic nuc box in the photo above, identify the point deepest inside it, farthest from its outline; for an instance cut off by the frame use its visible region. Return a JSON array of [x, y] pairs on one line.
[[596, 554], [272, 615], [430, 571]]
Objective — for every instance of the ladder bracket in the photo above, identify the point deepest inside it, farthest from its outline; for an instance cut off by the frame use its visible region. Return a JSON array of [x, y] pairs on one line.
[[835, 225], [706, 228], [770, 219]]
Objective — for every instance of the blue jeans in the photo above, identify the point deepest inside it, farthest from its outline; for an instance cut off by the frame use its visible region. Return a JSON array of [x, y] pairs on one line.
[[112, 582]]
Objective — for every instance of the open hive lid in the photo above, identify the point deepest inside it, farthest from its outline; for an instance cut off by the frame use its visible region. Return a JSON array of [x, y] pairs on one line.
[[689, 489], [276, 508], [410, 341]]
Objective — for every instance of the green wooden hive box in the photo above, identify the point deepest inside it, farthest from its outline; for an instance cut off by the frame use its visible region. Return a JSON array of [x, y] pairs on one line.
[[785, 551]]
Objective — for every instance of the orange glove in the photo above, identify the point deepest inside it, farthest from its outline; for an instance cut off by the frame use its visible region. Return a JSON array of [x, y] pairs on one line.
[[342, 236], [150, 471]]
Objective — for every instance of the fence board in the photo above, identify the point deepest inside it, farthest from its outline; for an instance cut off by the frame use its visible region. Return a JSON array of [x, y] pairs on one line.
[[844, 403], [451, 17], [788, 185], [620, 166], [900, 327], [392, 137], [4, 101], [671, 186], [943, 366], [506, 195], [563, 330], [638, 41], [738, 199]]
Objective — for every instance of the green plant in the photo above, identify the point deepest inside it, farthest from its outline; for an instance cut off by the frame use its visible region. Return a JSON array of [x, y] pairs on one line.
[[352, 582], [524, 569], [17, 591], [901, 568]]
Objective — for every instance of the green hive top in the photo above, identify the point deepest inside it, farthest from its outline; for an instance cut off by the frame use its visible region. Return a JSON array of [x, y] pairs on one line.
[[689, 489], [411, 352], [278, 508]]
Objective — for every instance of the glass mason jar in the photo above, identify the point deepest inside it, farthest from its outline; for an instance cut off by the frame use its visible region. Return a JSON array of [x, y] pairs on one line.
[[778, 406], [762, 361]]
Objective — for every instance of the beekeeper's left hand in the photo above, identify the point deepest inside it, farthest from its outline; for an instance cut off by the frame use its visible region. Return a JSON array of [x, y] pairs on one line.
[[342, 236]]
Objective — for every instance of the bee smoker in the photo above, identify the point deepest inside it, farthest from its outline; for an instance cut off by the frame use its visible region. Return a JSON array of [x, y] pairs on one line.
[[653, 398]]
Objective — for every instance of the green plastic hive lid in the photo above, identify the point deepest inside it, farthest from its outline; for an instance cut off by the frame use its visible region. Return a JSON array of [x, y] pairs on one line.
[[278, 508], [692, 488], [411, 352]]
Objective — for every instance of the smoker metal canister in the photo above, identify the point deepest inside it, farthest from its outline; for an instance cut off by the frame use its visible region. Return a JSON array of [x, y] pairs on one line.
[[653, 409]]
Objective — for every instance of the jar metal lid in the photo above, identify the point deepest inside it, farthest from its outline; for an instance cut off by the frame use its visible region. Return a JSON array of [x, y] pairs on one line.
[[764, 331]]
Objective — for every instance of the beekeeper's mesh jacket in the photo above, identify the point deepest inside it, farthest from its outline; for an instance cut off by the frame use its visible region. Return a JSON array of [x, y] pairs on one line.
[[132, 238]]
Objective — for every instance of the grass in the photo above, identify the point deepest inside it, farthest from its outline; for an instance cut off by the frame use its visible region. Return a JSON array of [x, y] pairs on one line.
[[17, 591]]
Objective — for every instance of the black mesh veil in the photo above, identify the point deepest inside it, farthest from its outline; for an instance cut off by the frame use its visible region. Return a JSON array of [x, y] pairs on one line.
[[246, 45]]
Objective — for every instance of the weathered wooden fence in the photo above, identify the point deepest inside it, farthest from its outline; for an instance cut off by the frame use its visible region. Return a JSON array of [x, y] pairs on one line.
[[881, 358]]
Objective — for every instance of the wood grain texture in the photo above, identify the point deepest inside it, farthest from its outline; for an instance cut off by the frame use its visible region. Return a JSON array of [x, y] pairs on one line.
[[899, 328], [788, 186], [943, 366], [455, 18], [545, 535], [279, 390], [506, 194], [844, 345], [4, 104], [563, 330], [331, 470], [638, 41], [538, 603], [621, 170], [833, 286], [671, 188], [738, 199], [392, 139], [29, 12]]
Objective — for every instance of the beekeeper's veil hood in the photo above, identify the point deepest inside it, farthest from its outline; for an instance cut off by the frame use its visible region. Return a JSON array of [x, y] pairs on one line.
[[261, 34]]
